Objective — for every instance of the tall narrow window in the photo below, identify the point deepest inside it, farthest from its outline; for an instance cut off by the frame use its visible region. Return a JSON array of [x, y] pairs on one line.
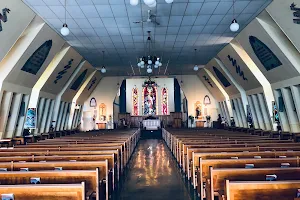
[[149, 99], [135, 102], [164, 101]]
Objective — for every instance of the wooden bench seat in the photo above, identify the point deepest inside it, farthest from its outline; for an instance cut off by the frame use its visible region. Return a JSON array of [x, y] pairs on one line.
[[91, 178], [45, 191], [217, 177]]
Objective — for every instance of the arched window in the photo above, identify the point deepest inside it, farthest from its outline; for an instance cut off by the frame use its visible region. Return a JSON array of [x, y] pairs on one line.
[[135, 102], [149, 100], [164, 101]]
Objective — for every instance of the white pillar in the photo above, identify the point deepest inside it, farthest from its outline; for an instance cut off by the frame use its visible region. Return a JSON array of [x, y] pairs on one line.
[[235, 115], [64, 116], [68, 118], [79, 116], [282, 115], [40, 113], [4, 111], [227, 112], [238, 113], [254, 116], [296, 96], [21, 119], [264, 110], [242, 111], [60, 113], [221, 109], [14, 114], [290, 110], [49, 118], [45, 115], [258, 112]]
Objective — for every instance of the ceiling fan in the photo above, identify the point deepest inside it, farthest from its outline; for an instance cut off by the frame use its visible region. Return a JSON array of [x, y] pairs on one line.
[[150, 19]]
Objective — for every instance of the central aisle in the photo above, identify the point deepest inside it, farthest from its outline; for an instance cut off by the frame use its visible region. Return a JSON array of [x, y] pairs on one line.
[[153, 175]]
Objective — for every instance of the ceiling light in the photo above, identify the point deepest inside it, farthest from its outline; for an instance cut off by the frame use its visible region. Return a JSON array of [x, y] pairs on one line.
[[103, 70], [134, 2], [169, 1], [149, 70], [142, 66], [149, 2], [65, 30], [139, 64], [155, 66], [152, 5], [234, 27], [196, 68], [160, 64]]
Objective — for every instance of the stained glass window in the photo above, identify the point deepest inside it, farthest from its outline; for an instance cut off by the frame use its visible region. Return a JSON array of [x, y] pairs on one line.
[[149, 99], [164, 101], [135, 102]]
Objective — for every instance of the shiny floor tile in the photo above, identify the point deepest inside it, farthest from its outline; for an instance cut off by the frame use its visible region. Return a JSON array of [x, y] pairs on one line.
[[153, 174]]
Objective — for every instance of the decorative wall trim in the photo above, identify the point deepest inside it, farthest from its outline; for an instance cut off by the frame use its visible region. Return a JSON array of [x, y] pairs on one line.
[[3, 16], [92, 83], [208, 81], [62, 72], [221, 77], [267, 58], [296, 13], [238, 69], [79, 80], [37, 59]]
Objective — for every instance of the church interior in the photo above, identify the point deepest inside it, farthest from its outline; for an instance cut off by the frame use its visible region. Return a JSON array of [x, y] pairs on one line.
[[149, 99]]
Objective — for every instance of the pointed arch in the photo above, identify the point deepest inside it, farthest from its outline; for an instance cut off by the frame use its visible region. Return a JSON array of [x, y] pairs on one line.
[[150, 100], [164, 101], [135, 102]]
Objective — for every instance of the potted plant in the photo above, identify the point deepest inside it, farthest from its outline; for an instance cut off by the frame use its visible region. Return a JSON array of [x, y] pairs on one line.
[[192, 119]]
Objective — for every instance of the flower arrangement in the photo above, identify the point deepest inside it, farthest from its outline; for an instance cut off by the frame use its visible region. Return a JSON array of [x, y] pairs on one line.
[[192, 118]]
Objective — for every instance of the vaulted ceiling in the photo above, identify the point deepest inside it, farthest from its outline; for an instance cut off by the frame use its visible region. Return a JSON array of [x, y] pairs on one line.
[[185, 25]]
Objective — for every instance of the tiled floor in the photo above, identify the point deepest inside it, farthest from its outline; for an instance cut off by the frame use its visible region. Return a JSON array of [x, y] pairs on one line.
[[153, 174]]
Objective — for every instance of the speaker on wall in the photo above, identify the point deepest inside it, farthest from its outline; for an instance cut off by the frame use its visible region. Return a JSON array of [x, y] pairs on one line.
[[280, 104]]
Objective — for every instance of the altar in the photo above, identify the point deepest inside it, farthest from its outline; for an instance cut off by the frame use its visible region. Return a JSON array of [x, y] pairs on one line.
[[151, 124]]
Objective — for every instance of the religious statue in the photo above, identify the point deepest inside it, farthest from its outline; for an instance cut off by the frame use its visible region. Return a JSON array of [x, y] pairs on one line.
[[198, 108]]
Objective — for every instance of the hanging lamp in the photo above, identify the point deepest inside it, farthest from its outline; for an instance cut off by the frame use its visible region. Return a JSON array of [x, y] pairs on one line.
[[234, 27], [65, 30], [103, 70]]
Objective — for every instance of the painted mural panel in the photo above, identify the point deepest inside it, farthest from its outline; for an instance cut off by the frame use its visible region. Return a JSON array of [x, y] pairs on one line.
[[62, 72], [37, 59], [14, 18], [43, 46], [210, 85], [237, 67], [135, 102], [215, 69], [84, 72], [164, 101], [31, 118], [89, 88], [270, 54], [283, 15]]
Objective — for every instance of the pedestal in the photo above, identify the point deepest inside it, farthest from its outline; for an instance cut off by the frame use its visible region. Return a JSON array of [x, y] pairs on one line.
[[101, 125], [200, 124]]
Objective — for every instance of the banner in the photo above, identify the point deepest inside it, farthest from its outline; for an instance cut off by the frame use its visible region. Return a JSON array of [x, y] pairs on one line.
[[31, 120]]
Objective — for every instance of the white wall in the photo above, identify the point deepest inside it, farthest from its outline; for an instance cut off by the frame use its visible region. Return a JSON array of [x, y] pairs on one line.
[[105, 92], [194, 91], [161, 82]]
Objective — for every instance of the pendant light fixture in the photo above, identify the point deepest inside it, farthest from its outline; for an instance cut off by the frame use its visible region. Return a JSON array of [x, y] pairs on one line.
[[234, 27], [65, 30], [169, 1], [103, 70], [196, 66], [134, 2]]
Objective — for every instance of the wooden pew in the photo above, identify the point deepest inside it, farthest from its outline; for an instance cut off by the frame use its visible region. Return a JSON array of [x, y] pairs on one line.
[[202, 170], [45, 191], [66, 165], [266, 190], [217, 177], [91, 178]]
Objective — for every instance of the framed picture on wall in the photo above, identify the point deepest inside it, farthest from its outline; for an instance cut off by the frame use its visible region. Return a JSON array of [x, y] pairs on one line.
[[93, 102]]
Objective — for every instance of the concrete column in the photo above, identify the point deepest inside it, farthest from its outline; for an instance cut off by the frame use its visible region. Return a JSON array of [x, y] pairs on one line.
[[4, 111], [242, 111], [254, 116], [14, 114], [68, 118], [296, 96], [45, 115], [227, 112], [49, 118], [290, 110], [79, 116], [238, 113], [282, 115], [60, 113], [221, 109], [235, 114], [258, 112], [21, 119], [74, 118], [264, 111], [40, 113], [64, 116]]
